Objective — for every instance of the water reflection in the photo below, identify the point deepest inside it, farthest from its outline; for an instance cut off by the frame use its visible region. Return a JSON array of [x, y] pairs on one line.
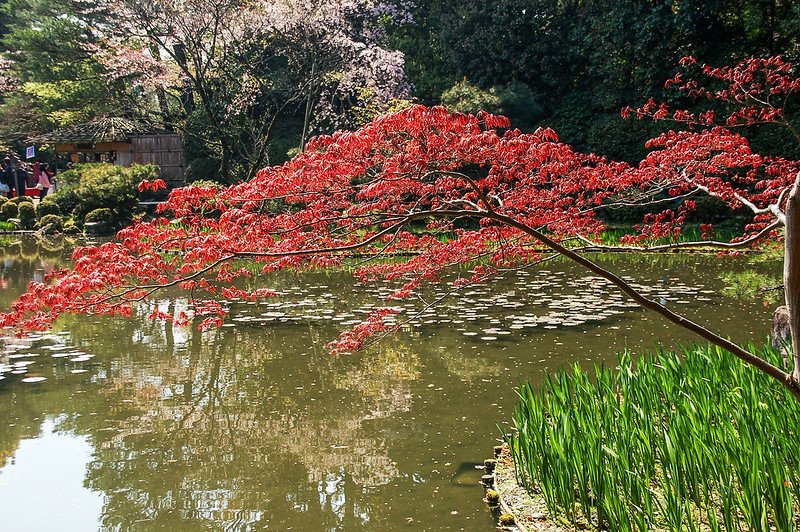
[[46, 472], [256, 425]]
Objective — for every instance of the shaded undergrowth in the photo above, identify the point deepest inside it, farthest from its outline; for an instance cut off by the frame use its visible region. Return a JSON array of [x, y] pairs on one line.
[[691, 441]]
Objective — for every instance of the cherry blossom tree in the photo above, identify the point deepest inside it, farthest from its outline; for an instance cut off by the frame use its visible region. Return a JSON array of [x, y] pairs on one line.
[[452, 198], [245, 64]]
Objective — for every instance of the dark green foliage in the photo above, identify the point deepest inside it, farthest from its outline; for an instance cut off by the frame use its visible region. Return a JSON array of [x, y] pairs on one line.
[[3, 200], [8, 210], [47, 207], [663, 442], [53, 221], [26, 214], [202, 169], [579, 63], [63, 81], [520, 104]]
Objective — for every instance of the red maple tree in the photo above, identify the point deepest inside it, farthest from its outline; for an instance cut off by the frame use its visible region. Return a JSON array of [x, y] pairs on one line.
[[438, 191]]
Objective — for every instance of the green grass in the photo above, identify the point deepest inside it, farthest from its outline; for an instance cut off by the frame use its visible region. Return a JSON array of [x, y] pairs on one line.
[[691, 233], [670, 442]]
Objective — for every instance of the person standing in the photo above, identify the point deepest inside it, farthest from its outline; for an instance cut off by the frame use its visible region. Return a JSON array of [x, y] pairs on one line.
[[7, 176], [43, 184], [34, 176], [21, 177]]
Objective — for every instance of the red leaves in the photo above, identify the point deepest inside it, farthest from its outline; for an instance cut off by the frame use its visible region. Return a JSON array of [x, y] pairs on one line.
[[757, 87], [430, 190], [155, 185]]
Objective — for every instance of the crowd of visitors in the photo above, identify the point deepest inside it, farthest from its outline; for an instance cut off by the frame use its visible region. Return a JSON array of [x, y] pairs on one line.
[[17, 177]]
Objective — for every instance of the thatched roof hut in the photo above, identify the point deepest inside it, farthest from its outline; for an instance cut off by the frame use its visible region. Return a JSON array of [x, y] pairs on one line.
[[121, 141], [101, 131]]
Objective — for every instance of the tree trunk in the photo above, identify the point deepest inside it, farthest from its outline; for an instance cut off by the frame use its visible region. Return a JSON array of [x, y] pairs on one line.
[[791, 273], [187, 96], [309, 107]]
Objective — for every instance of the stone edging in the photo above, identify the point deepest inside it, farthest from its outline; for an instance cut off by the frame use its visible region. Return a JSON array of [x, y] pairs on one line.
[[529, 513]]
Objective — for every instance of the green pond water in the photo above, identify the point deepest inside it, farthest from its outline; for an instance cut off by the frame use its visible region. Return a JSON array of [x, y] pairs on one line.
[[127, 424]]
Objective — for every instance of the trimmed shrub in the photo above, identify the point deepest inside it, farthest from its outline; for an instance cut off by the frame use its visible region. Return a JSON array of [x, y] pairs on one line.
[[88, 187], [21, 199], [8, 210], [103, 215], [27, 215], [47, 207], [55, 222], [66, 199]]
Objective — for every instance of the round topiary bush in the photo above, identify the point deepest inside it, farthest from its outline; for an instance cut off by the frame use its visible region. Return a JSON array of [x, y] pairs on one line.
[[104, 215], [67, 200], [51, 223], [26, 214], [8, 210], [47, 207], [21, 199]]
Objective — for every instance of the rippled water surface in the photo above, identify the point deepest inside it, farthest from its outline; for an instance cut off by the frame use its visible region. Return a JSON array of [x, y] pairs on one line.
[[133, 425]]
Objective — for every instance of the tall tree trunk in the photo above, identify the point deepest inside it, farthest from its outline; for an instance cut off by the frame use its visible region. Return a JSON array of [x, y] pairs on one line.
[[309, 107], [163, 107], [225, 163], [187, 95], [791, 272]]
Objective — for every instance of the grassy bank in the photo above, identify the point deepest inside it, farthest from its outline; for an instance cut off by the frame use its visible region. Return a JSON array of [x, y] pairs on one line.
[[691, 441]]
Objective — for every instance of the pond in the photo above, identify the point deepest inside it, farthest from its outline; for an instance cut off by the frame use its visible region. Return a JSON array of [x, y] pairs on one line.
[[127, 424]]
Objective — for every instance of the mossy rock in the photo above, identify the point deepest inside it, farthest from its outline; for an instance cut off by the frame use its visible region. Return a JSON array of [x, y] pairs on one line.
[[51, 224], [26, 213]]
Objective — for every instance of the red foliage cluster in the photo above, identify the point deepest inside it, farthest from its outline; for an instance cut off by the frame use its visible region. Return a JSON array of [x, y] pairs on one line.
[[753, 91], [155, 185], [444, 186]]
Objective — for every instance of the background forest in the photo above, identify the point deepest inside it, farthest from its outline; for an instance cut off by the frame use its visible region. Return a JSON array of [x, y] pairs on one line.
[[248, 81]]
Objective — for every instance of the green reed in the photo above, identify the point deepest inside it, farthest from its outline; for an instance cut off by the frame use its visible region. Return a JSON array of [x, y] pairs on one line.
[[690, 441]]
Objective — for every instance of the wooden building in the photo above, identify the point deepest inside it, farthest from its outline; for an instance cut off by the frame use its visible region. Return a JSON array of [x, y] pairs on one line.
[[121, 141]]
